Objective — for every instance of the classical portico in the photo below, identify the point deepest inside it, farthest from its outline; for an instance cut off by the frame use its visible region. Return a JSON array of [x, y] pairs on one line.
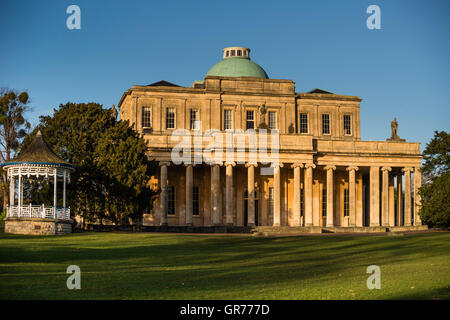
[[285, 159], [349, 196]]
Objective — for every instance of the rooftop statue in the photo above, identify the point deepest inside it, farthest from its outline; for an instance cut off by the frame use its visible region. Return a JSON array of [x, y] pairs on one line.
[[394, 134]]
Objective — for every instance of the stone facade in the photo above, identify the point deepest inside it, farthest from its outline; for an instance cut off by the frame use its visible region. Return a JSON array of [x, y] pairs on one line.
[[37, 226], [326, 175]]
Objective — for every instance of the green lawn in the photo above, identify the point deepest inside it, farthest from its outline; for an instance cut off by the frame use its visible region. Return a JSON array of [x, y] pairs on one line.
[[170, 266]]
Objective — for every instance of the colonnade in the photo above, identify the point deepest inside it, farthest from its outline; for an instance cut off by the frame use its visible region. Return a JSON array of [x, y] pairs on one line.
[[381, 204]]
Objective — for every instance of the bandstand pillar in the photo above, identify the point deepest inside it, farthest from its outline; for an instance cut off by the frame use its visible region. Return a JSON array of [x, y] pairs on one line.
[[11, 190], [19, 193], [55, 190], [64, 191]]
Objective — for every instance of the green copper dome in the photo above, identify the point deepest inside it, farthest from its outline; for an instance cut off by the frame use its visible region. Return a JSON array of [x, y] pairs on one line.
[[236, 63]]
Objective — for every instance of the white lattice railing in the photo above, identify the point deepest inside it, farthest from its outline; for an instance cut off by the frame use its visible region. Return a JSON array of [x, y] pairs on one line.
[[44, 212]]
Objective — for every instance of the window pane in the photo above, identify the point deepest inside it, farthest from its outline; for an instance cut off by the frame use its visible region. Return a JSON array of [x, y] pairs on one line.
[[250, 120], [146, 117], [324, 202], [272, 120], [195, 123], [195, 201], [171, 200], [170, 118], [325, 124], [303, 123], [227, 120], [347, 125]]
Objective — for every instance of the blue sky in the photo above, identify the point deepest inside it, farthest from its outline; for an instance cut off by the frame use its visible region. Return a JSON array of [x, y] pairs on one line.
[[399, 71]]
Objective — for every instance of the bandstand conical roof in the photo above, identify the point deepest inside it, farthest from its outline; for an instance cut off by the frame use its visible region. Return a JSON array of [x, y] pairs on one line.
[[38, 152]]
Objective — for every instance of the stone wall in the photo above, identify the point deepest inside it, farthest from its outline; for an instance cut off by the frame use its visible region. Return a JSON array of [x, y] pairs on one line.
[[37, 226]]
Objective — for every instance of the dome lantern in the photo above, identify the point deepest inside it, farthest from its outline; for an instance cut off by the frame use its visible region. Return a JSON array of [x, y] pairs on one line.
[[236, 63], [236, 52]]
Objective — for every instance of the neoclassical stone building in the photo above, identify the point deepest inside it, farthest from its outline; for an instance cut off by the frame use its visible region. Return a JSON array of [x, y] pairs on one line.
[[325, 176]]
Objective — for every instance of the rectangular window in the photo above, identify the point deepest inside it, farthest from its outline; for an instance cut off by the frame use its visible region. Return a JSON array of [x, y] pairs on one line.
[[195, 120], [346, 204], [227, 119], [170, 118], [325, 123], [272, 120], [347, 125], [324, 202], [250, 120], [271, 201], [171, 200], [303, 123], [195, 201], [146, 117]]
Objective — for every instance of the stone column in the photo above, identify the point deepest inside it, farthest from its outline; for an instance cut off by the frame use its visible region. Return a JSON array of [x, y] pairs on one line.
[[391, 201], [352, 195], [277, 196], [407, 213], [309, 194], [330, 195], [417, 198], [297, 202], [385, 196], [215, 194], [399, 200], [374, 196], [163, 194], [229, 193], [251, 194], [189, 193]]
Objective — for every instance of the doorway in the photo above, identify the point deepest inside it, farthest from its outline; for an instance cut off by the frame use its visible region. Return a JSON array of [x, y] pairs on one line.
[[246, 207]]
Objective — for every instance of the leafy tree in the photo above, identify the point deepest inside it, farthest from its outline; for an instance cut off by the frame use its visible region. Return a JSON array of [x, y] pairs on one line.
[[111, 180], [435, 192], [13, 128]]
